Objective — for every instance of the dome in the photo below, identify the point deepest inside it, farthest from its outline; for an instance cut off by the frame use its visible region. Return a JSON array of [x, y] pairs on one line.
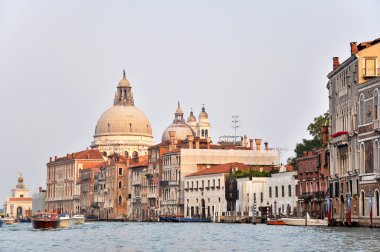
[[124, 82], [182, 131], [123, 120], [203, 114], [191, 118], [20, 179]]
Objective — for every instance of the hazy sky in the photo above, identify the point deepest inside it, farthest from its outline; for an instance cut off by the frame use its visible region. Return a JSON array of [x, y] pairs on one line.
[[267, 61]]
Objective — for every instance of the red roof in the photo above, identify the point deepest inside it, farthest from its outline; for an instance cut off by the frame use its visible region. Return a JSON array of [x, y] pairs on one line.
[[222, 168], [93, 164], [289, 168], [85, 154], [141, 162]]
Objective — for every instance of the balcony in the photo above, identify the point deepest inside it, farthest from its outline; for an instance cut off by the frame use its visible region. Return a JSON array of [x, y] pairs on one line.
[[168, 202], [164, 183], [376, 125], [136, 182], [174, 183], [339, 138], [152, 195]]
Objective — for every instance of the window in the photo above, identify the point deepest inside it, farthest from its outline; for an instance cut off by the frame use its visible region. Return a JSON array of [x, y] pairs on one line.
[[370, 67], [376, 104], [270, 192], [261, 197], [361, 110], [290, 190], [283, 191], [120, 171], [120, 200], [120, 184], [300, 168], [276, 191]]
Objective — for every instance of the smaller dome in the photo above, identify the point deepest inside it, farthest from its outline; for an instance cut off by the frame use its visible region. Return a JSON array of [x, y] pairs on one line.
[[203, 114], [124, 82], [191, 118], [179, 110], [20, 179]]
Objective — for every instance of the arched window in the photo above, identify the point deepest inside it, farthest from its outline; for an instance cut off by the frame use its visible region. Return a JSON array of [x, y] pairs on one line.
[[120, 184], [282, 191], [362, 158], [376, 156], [120, 200], [361, 110], [276, 192], [126, 154], [261, 197], [270, 192], [203, 133], [206, 133], [376, 104], [290, 190]]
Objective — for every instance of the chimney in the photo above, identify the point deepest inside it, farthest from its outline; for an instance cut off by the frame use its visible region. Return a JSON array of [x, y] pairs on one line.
[[190, 138], [258, 143], [67, 156], [251, 144], [354, 48], [40, 189], [336, 63], [266, 146], [55, 158], [51, 159], [325, 135], [197, 143], [208, 139]]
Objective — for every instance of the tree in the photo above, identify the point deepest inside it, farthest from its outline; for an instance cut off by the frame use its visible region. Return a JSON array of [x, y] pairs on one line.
[[314, 129]]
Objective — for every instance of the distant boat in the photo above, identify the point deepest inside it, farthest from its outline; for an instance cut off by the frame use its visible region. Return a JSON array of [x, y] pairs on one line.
[[275, 222], [1, 222], [303, 222], [9, 220], [64, 221], [78, 219], [45, 221], [178, 219], [24, 220]]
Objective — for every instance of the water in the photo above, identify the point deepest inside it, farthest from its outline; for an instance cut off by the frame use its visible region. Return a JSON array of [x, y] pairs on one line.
[[132, 236]]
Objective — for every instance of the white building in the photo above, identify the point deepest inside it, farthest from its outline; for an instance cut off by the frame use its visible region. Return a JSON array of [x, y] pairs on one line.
[[251, 189], [282, 192]]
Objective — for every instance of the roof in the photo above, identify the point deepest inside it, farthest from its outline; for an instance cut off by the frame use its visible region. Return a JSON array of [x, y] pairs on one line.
[[141, 162], [85, 154], [19, 199], [222, 168]]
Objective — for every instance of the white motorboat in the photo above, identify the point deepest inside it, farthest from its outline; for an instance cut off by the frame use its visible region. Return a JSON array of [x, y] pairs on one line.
[[8, 220], [64, 221], [304, 221], [78, 219]]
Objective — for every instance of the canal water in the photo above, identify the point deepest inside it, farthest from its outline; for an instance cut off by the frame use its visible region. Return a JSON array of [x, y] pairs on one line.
[[134, 236]]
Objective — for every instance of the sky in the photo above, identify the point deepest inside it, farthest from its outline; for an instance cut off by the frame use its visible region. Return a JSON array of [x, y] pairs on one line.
[[266, 61]]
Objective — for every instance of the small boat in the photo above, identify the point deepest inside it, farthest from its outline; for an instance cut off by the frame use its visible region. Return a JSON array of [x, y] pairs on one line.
[[304, 222], [275, 222], [45, 221], [25, 220], [178, 219], [64, 221], [8, 220], [78, 219], [1, 222]]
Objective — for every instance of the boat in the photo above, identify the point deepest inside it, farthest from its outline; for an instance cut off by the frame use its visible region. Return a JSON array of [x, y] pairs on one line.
[[179, 219], [45, 221], [275, 222], [64, 221], [25, 220], [304, 221], [1, 222], [78, 219], [8, 220]]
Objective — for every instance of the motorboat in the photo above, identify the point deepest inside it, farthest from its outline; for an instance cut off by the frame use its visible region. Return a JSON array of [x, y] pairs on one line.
[[45, 220], [64, 221], [78, 219], [9, 220], [275, 222], [178, 219], [304, 221]]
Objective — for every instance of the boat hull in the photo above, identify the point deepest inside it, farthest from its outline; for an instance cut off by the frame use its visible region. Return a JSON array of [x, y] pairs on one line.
[[78, 219], [275, 222], [302, 222], [64, 223], [176, 219], [8, 221], [45, 224]]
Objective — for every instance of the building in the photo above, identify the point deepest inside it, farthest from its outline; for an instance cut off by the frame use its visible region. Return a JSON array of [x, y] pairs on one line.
[[140, 188], [19, 205], [38, 200], [350, 121], [87, 183], [282, 197], [63, 179], [123, 128]]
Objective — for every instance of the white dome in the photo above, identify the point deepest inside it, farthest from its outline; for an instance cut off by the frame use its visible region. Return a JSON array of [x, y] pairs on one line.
[[182, 131], [123, 120]]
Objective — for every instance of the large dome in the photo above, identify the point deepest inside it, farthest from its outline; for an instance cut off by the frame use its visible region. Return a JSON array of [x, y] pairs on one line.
[[123, 120]]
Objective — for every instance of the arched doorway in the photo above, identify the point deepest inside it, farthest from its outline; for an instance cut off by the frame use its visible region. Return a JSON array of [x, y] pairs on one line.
[[203, 209], [19, 212], [362, 202]]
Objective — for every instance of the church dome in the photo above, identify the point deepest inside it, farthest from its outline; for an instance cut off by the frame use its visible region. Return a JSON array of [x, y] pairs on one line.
[[123, 120], [203, 114], [191, 118], [179, 125], [124, 82]]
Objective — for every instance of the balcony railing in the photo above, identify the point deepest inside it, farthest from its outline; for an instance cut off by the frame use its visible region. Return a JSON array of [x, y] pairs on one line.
[[174, 183], [136, 182]]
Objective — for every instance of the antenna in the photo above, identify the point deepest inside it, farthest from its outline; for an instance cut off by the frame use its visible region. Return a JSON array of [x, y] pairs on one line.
[[235, 125]]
